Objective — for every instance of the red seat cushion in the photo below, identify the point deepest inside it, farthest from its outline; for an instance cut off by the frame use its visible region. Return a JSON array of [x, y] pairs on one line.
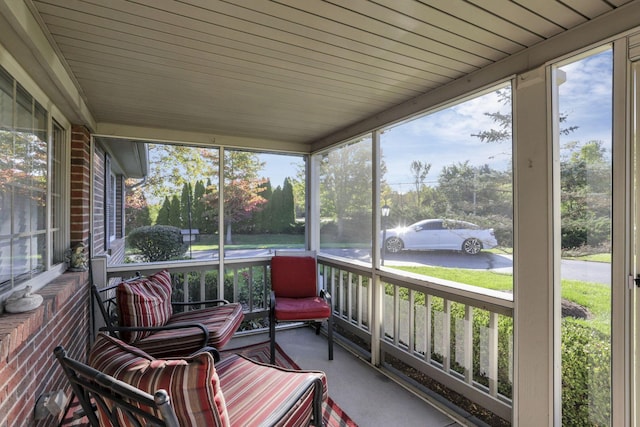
[[301, 308], [259, 394], [294, 276], [221, 321]]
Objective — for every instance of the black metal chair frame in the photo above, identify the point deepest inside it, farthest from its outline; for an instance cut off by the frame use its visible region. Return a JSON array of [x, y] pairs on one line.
[[95, 389], [108, 308]]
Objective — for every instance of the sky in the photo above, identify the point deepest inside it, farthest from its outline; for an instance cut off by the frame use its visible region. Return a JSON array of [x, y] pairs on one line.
[[445, 137]]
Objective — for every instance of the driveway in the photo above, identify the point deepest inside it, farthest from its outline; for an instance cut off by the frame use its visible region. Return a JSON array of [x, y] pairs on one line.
[[594, 272]]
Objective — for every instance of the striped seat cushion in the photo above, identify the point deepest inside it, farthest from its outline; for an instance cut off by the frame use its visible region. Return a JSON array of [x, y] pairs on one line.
[[221, 321], [192, 383], [144, 302], [260, 394]]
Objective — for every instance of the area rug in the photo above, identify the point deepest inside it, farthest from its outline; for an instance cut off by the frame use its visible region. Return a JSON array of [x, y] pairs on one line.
[[332, 415]]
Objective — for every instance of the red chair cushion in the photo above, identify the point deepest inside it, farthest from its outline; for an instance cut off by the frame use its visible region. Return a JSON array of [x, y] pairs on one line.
[[313, 308], [294, 276], [192, 382], [145, 302], [259, 394], [222, 322]]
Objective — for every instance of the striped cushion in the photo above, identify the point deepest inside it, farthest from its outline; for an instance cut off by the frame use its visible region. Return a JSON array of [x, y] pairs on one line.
[[260, 394], [145, 302], [221, 321], [192, 382]]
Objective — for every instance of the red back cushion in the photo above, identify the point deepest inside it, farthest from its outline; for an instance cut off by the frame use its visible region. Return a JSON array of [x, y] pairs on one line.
[[144, 302], [294, 276], [192, 383]]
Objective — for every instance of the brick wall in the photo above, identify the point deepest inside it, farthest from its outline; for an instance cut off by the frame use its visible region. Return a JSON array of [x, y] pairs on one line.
[[98, 201], [80, 185], [28, 367]]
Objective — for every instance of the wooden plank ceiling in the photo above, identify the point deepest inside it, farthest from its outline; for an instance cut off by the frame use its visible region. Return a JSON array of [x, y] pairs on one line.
[[285, 70]]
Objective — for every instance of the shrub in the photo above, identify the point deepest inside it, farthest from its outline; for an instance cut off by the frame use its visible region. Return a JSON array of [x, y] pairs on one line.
[[586, 373], [158, 242]]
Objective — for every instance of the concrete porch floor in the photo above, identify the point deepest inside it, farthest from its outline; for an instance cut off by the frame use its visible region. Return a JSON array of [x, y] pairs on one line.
[[370, 398]]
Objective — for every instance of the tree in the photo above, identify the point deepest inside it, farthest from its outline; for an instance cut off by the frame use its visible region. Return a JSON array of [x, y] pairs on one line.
[[163, 213], [505, 122], [171, 166], [346, 182], [585, 194], [198, 216], [174, 212], [136, 208], [419, 171], [186, 206], [241, 190]]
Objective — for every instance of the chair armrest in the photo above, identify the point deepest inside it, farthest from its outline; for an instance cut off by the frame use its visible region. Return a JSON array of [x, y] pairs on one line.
[[272, 303], [203, 329], [214, 352], [326, 296]]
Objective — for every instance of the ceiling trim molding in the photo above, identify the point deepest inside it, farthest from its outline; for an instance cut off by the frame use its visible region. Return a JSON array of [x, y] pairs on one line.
[[112, 130]]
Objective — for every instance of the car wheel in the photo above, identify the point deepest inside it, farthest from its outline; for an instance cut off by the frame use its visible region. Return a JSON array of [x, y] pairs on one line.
[[393, 245], [472, 246]]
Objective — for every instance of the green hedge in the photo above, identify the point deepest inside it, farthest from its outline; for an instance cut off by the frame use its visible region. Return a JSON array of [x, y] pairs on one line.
[[586, 375], [158, 242]]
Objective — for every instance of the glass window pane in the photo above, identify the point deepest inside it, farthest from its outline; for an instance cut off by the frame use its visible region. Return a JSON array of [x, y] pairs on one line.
[[345, 200], [447, 193], [24, 165], [585, 123], [181, 193], [264, 198]]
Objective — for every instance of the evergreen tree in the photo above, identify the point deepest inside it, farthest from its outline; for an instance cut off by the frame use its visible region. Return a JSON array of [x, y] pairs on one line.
[[174, 212], [186, 206], [163, 213], [288, 206], [276, 211], [198, 208], [262, 218]]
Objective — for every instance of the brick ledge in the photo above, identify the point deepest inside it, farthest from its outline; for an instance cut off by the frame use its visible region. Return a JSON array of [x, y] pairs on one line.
[[16, 328]]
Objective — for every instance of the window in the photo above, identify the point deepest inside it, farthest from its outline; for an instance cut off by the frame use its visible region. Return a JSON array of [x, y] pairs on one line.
[[263, 198], [30, 173], [584, 126], [345, 183], [447, 181]]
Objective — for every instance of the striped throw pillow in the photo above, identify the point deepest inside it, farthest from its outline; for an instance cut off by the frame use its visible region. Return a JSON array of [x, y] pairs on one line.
[[144, 302], [192, 382]]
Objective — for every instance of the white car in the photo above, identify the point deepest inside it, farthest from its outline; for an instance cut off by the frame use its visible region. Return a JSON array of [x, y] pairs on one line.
[[440, 234]]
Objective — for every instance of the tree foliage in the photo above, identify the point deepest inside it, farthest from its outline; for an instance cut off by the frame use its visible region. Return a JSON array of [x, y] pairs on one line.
[[345, 190]]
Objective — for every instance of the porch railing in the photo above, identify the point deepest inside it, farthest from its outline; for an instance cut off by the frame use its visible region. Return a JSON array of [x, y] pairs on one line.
[[457, 335]]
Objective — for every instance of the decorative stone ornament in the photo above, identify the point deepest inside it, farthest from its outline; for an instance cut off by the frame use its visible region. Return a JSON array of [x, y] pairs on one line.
[[77, 258], [22, 300]]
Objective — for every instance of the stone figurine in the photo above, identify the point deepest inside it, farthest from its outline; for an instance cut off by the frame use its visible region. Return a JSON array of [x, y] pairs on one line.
[[22, 300], [78, 258]]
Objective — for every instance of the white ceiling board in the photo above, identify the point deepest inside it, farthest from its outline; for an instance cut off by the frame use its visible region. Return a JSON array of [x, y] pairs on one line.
[[288, 70]]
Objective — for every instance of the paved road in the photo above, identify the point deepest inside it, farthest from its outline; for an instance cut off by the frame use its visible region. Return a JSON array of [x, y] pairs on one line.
[[595, 272]]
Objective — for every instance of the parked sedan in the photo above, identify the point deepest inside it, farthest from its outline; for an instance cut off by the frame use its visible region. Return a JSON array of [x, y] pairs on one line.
[[440, 234]]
